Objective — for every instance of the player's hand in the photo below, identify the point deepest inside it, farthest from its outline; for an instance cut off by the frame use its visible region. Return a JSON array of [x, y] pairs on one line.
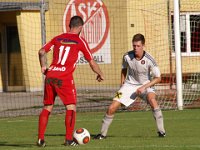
[[99, 78], [140, 90], [44, 70]]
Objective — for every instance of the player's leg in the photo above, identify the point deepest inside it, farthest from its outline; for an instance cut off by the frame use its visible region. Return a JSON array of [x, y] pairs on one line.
[[157, 113], [42, 124], [107, 119], [67, 93], [126, 96], [70, 119], [49, 98]]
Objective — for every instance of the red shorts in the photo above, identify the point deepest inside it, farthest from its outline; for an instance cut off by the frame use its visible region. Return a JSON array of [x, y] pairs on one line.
[[65, 89]]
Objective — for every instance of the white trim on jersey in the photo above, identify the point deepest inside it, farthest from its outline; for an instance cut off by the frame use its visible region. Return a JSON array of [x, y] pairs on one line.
[[51, 48], [87, 48]]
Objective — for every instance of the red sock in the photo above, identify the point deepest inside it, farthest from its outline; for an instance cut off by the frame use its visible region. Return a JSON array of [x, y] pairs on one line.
[[43, 120], [69, 124]]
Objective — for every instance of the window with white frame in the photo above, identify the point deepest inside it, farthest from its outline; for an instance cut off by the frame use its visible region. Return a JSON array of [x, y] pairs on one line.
[[190, 34]]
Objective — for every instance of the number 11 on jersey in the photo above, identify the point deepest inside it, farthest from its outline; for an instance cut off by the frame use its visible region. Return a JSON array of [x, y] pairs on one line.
[[63, 59]]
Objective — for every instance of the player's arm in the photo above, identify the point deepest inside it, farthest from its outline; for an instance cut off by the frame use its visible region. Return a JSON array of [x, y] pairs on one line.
[[42, 55], [43, 60], [156, 79], [95, 68], [123, 75], [124, 70], [88, 56]]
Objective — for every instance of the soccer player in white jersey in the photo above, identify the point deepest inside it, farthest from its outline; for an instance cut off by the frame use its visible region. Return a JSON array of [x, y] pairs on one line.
[[138, 67]]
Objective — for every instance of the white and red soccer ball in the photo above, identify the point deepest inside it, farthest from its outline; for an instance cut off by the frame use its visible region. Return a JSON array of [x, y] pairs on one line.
[[81, 136]]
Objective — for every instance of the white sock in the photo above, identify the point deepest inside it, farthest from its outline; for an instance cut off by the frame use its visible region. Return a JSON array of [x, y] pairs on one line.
[[107, 120], [157, 113]]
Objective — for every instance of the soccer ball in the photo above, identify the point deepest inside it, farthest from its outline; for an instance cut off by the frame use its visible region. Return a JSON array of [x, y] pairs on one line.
[[81, 136]]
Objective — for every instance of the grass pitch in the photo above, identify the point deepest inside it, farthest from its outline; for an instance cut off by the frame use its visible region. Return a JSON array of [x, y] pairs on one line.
[[129, 131]]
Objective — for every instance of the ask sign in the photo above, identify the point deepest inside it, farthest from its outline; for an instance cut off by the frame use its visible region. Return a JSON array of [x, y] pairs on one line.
[[96, 29]]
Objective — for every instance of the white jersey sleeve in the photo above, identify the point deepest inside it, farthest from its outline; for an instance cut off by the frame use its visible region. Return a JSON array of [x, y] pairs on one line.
[[124, 63], [156, 71]]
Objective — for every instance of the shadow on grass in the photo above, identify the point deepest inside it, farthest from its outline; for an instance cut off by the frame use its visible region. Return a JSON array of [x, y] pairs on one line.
[[127, 136], [54, 134], [93, 135], [111, 136], [15, 145]]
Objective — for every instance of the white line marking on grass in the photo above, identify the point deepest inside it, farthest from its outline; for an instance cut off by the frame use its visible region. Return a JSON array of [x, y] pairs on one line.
[[159, 146], [77, 120], [126, 147], [15, 120]]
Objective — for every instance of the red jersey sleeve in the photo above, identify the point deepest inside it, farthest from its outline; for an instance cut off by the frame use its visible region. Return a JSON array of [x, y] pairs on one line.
[[47, 47], [86, 50]]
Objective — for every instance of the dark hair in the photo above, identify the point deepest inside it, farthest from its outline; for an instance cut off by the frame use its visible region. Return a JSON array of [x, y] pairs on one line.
[[138, 37], [76, 21]]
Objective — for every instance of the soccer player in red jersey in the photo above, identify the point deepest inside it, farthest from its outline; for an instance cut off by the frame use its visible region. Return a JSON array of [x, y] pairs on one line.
[[59, 76]]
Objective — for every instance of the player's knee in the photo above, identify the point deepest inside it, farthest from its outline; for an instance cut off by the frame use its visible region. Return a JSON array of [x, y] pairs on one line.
[[153, 103], [48, 107], [71, 107], [111, 110], [113, 107]]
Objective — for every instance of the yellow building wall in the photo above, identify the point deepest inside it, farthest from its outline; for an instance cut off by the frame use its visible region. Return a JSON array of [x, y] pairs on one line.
[[30, 41], [151, 19], [126, 19]]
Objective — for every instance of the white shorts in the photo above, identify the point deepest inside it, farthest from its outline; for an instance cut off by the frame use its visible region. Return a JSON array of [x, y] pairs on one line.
[[126, 94]]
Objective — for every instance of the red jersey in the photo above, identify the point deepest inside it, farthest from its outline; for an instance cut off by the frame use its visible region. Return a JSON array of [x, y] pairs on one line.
[[66, 49]]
